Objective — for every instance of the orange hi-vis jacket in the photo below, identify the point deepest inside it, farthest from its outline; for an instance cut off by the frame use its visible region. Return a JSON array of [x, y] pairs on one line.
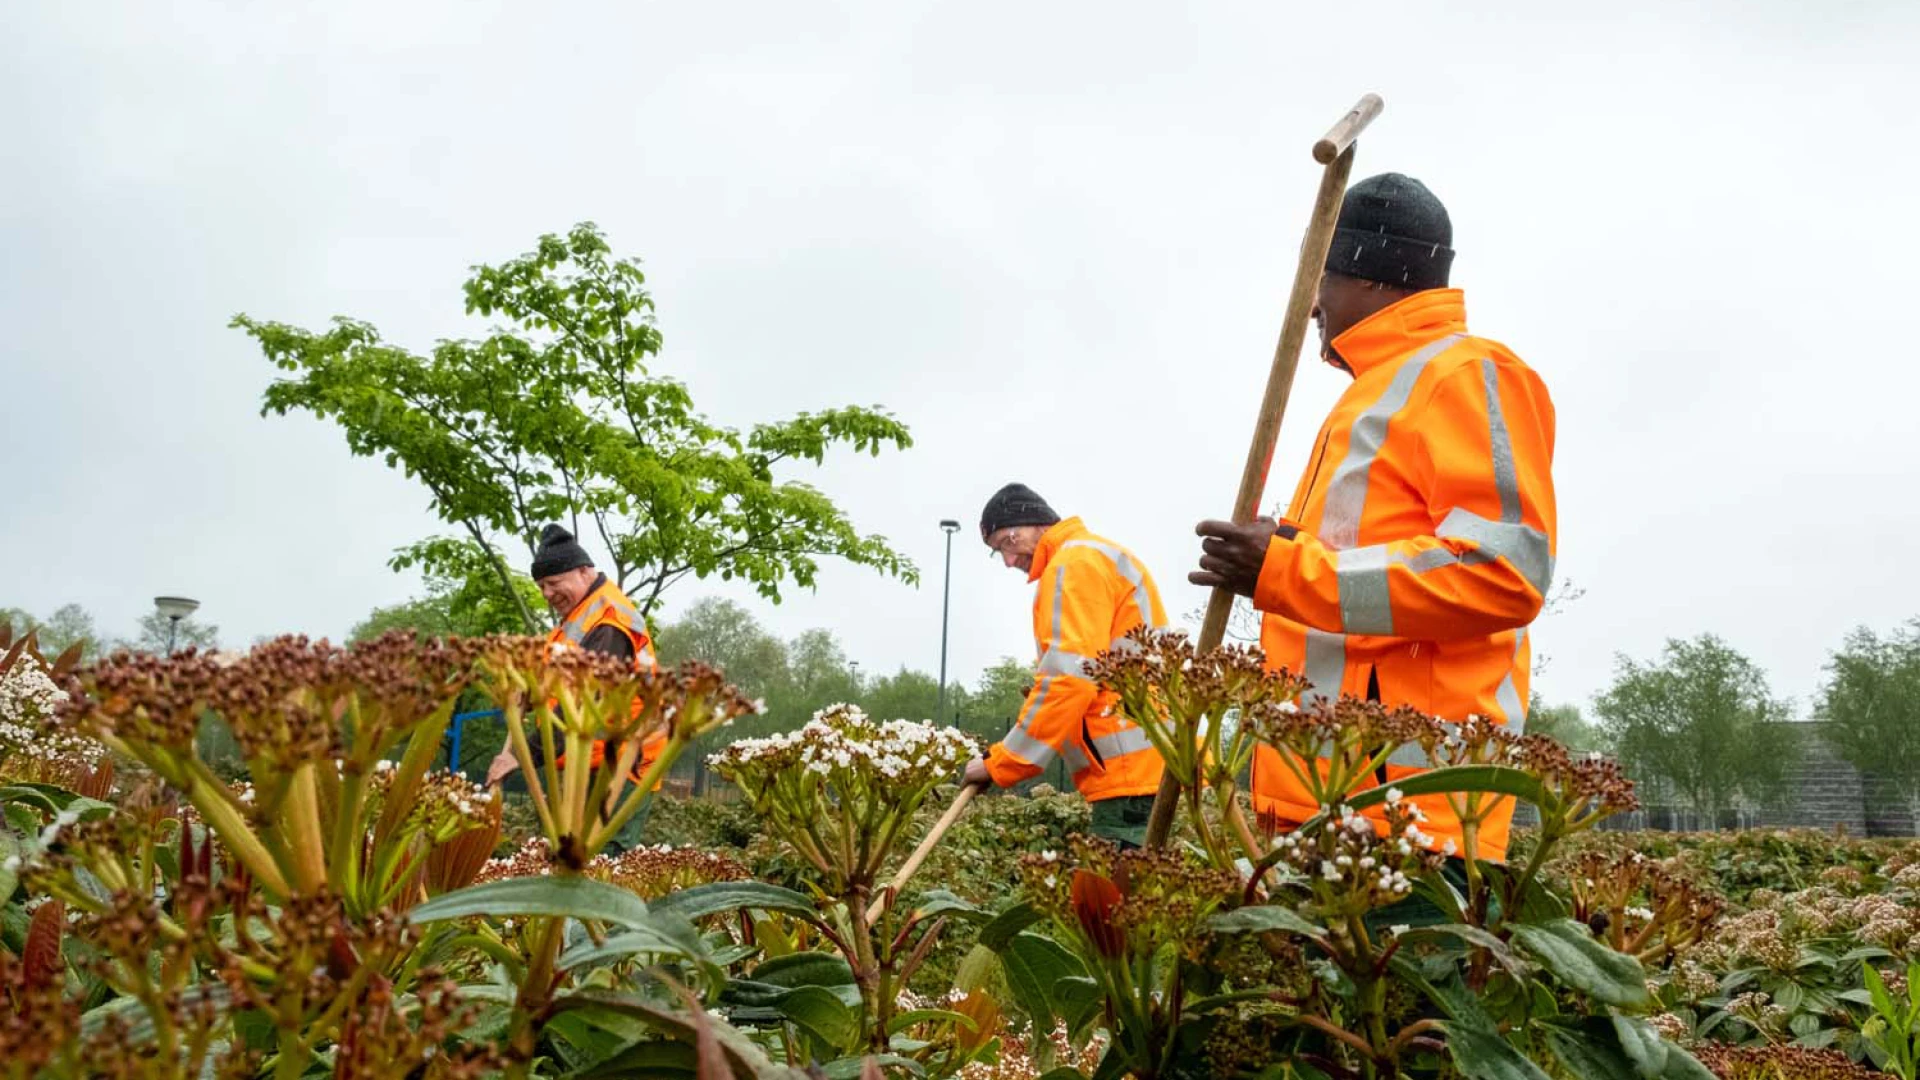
[[1426, 542], [606, 605], [1092, 592]]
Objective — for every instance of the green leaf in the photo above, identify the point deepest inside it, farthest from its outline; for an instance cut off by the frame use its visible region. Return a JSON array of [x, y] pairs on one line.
[[1001, 928], [720, 896], [1034, 966], [1064, 1072], [1482, 1054], [805, 969], [939, 902], [572, 897], [9, 879], [1495, 778], [848, 1068], [1789, 996], [742, 1055], [1642, 1045], [1263, 918], [662, 1058], [1565, 948], [1592, 1051], [822, 1016], [663, 935], [905, 1020], [1078, 999], [1684, 1066], [1471, 936]]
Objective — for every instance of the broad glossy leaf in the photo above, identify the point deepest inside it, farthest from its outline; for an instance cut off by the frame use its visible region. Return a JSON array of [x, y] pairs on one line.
[[1034, 966], [941, 902], [1472, 937], [1642, 1045], [742, 1055], [1684, 1066], [721, 896], [1480, 1053], [1078, 998], [659, 934], [1570, 952], [1495, 778], [572, 897], [139, 1022], [1591, 1050], [905, 1020], [889, 1065], [1263, 918], [662, 1058], [824, 1016], [1001, 928]]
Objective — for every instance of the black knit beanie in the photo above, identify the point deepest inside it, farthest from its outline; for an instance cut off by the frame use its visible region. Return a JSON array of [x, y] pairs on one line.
[[1015, 504], [558, 553], [1392, 230]]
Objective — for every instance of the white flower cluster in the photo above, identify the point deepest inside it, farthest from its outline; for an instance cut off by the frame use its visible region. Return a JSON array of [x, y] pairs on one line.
[[841, 737], [28, 698]]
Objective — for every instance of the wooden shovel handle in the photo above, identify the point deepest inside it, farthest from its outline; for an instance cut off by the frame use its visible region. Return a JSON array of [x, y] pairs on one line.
[[1273, 407], [1341, 135], [926, 847]]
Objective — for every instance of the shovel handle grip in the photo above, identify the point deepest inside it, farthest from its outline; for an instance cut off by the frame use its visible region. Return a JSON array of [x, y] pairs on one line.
[[1341, 135]]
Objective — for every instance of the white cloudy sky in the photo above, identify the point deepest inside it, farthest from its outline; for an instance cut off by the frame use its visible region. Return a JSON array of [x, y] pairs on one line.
[[1055, 238]]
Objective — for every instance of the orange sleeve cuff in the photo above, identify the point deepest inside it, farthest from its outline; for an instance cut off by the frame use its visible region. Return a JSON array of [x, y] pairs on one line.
[[1006, 769]]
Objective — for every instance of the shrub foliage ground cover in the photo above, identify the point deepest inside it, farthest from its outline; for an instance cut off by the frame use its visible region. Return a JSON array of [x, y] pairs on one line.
[[341, 908]]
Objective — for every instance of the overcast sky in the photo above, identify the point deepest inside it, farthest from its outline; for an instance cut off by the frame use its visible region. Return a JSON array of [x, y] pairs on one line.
[[1056, 239]]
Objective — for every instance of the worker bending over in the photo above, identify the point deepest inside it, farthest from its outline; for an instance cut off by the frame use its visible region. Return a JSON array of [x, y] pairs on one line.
[[1091, 593]]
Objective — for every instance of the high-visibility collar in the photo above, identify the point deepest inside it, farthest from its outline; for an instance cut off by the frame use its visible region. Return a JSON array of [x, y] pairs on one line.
[[1399, 329], [1050, 542]]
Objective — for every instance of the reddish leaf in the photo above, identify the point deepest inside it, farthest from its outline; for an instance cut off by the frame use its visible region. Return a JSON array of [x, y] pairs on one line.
[[40, 953], [1095, 899]]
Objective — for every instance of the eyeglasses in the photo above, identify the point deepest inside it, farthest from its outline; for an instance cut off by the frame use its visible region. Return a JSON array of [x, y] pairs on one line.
[[1002, 547]]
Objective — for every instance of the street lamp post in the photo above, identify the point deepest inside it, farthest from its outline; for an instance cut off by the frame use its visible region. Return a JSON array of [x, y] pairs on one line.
[[174, 608], [948, 526]]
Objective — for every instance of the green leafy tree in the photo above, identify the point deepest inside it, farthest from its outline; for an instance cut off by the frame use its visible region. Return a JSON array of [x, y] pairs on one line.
[[1564, 724], [153, 633], [905, 694], [1871, 701], [69, 625], [557, 417], [467, 603], [997, 698], [1702, 719]]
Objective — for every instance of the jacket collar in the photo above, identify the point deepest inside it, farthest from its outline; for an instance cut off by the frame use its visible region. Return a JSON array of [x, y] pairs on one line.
[[1050, 542], [1401, 328]]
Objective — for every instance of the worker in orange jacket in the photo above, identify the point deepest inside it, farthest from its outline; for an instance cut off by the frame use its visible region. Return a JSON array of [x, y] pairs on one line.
[[596, 616], [1419, 544], [1091, 593]]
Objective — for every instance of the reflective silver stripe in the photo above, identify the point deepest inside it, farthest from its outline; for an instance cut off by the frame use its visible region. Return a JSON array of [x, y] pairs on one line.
[[1125, 741], [1505, 479], [1129, 569], [1430, 559], [1347, 490], [1028, 748], [1326, 666], [1062, 662], [1508, 695], [1521, 545], [1366, 605], [576, 628]]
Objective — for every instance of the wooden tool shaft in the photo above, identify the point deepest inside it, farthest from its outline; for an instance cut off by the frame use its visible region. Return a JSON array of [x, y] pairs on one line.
[[1273, 406], [1341, 135], [926, 847]]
